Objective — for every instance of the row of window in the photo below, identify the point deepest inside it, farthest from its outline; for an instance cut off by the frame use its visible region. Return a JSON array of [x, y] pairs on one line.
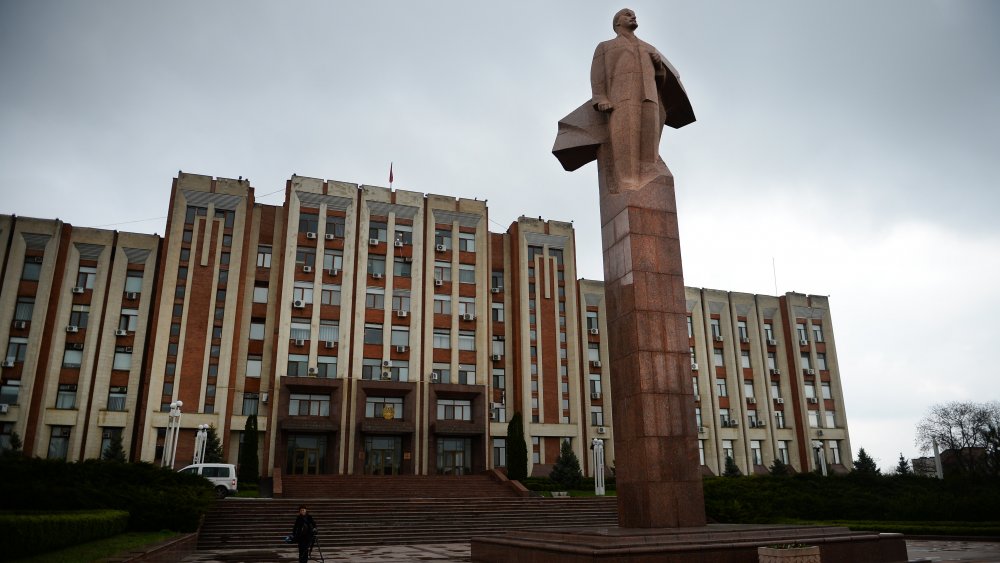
[[744, 334], [756, 449]]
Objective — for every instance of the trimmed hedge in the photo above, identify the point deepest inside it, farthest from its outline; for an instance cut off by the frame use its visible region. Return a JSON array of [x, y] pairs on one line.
[[28, 534], [155, 498]]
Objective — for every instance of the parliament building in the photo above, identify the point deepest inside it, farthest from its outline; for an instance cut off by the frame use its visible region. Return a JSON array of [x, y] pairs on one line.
[[372, 331]]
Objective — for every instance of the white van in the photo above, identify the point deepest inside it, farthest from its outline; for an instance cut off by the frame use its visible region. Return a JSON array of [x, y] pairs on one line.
[[222, 475]]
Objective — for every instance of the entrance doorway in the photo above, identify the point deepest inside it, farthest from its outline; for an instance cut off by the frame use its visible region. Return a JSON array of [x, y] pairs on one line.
[[454, 456], [382, 455], [306, 454]]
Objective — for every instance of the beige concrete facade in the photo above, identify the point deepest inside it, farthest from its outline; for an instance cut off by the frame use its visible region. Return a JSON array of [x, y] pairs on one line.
[[373, 331]]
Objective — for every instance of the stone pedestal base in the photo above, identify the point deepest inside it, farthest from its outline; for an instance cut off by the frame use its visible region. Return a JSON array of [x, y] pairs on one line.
[[716, 543]]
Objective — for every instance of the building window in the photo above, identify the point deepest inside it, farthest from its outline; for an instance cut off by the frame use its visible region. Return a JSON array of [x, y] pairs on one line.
[[768, 330], [467, 306], [400, 336], [24, 309], [825, 389], [442, 338], [254, 365], [498, 346], [717, 357], [720, 387], [834, 446], [333, 260], [467, 242], [443, 372], [466, 273], [85, 277], [779, 419], [378, 230], [694, 385], [250, 403], [752, 418], [377, 407], [263, 256], [755, 452], [454, 409], [442, 304], [308, 405], [10, 391], [371, 369], [697, 417], [821, 361], [499, 452], [330, 295], [66, 397], [596, 415], [257, 329], [831, 419], [116, 398], [72, 358], [813, 419], [496, 280], [727, 449], [701, 452], [800, 328], [497, 312], [442, 271], [783, 451], [403, 234], [748, 388], [376, 265], [302, 291], [595, 383], [133, 281], [805, 360], [810, 389], [817, 333], [305, 256], [466, 374], [298, 365], [79, 315], [745, 359], [329, 331], [32, 268], [716, 328], [442, 237], [499, 379], [771, 361], [741, 327], [308, 222], [123, 358], [335, 226], [775, 390], [260, 294], [724, 417], [401, 267], [59, 442], [327, 367], [466, 340], [373, 333], [300, 329], [375, 298], [129, 320]]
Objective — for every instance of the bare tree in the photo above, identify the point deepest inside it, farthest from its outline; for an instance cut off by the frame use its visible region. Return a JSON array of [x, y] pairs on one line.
[[963, 427]]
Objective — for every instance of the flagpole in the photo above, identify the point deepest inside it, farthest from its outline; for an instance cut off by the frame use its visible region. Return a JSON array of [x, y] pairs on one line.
[[390, 174]]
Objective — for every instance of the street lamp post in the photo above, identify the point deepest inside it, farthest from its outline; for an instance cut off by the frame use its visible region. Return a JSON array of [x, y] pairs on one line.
[[598, 446], [173, 433], [200, 442], [818, 446]]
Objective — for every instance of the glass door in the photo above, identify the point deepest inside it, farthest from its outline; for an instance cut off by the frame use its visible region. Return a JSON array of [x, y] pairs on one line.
[[382, 455]]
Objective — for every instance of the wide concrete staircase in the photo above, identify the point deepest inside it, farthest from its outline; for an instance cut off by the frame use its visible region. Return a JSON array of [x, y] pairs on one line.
[[358, 510]]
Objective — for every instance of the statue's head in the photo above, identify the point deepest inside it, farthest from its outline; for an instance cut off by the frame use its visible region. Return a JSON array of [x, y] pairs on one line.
[[624, 19]]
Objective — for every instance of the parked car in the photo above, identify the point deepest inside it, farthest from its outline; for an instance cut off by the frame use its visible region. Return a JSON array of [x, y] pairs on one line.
[[222, 475]]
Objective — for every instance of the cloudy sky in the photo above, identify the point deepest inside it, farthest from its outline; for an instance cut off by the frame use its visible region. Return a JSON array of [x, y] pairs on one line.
[[852, 145]]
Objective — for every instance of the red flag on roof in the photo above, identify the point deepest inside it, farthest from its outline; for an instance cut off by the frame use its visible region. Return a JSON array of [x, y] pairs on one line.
[[390, 173]]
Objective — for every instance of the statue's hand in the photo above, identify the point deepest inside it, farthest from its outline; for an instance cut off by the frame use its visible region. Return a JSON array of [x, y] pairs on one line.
[[605, 107]]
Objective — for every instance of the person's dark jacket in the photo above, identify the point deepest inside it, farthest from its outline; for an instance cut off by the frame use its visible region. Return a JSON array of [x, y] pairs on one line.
[[302, 531]]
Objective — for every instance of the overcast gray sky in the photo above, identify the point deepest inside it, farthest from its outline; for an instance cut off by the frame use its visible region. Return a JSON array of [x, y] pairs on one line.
[[854, 143]]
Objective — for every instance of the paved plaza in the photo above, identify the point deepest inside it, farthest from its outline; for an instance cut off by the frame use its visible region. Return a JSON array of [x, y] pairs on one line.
[[950, 551]]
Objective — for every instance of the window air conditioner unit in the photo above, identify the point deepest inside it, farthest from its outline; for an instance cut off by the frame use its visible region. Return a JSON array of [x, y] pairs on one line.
[[402, 314], [407, 259], [694, 367], [121, 333], [495, 357], [745, 340], [813, 400], [819, 433], [752, 400], [333, 272], [386, 376], [733, 424], [494, 415], [701, 429], [495, 290], [330, 344], [329, 236], [313, 371], [761, 424], [438, 283], [36, 259], [387, 363], [595, 363], [602, 430], [377, 275], [772, 342], [810, 371], [595, 395], [131, 295], [3, 408], [779, 400], [298, 304], [264, 397], [718, 338], [468, 317], [20, 325], [77, 289], [401, 349], [373, 242], [128, 349], [697, 398], [496, 405], [72, 328], [310, 235], [775, 371], [435, 377], [594, 331], [299, 342], [76, 346], [307, 269], [398, 244], [803, 342], [8, 364], [440, 247]]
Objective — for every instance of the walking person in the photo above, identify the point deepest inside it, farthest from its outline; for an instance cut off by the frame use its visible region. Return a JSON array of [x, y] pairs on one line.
[[304, 533]]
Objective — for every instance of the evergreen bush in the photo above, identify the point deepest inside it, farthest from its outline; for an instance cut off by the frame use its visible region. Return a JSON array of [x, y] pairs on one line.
[[517, 449], [566, 472]]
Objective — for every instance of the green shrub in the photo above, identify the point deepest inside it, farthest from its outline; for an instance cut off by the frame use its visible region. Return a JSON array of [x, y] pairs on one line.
[[155, 498], [28, 534]]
